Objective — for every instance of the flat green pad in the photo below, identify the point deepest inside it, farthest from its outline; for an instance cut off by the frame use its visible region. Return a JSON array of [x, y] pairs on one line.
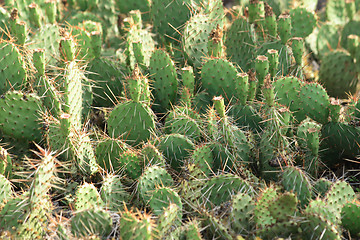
[[240, 46], [303, 22], [13, 69], [20, 116], [219, 77], [195, 38], [327, 39], [165, 85], [131, 121], [90, 222], [152, 178], [338, 74], [314, 102], [161, 198], [350, 218], [221, 188], [107, 153], [176, 148]]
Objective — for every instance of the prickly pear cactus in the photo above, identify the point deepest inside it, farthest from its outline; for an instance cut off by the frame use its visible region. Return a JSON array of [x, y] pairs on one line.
[[295, 180], [152, 178], [132, 121], [107, 153], [240, 31], [136, 225], [196, 36], [164, 80], [176, 148], [338, 74], [113, 193], [168, 16], [212, 76], [14, 74], [242, 211], [91, 222], [349, 215], [303, 22], [21, 116]]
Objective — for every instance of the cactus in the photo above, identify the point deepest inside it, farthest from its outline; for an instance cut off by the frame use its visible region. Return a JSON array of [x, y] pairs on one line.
[[242, 212], [152, 155], [239, 31], [125, 7], [270, 24], [331, 74], [303, 22], [336, 12], [22, 110], [341, 136], [221, 188], [215, 44], [212, 77], [293, 179], [211, 131], [316, 103], [321, 187], [153, 178], [297, 46], [168, 220], [107, 153], [136, 226], [262, 69], [284, 55], [161, 198], [351, 27], [283, 207], [196, 36], [202, 158], [132, 163], [91, 222], [309, 138], [5, 190], [44, 85], [135, 34], [168, 16], [318, 227], [327, 39], [6, 162], [108, 77], [256, 11], [165, 83], [28, 215], [262, 214], [135, 123], [87, 197], [275, 149], [273, 57], [113, 193], [14, 75], [349, 214], [182, 124], [176, 148], [284, 27], [338, 195]]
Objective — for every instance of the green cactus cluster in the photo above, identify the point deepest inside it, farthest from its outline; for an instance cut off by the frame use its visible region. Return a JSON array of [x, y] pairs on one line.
[[179, 119]]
